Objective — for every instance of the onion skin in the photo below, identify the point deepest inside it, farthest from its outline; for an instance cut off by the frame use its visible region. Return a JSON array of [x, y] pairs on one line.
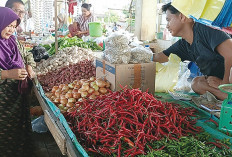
[[70, 104], [54, 89], [76, 95], [64, 101], [103, 90], [100, 83]]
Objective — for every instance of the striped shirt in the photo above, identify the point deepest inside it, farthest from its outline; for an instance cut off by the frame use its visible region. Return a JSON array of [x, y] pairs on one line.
[[84, 24]]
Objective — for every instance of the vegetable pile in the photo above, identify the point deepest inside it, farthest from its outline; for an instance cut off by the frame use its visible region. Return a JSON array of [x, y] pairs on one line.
[[66, 95], [74, 41], [123, 122], [65, 57], [189, 146], [67, 74]]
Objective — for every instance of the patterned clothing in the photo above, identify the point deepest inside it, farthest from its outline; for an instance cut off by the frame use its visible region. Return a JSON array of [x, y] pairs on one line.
[[27, 56], [15, 125], [84, 24]]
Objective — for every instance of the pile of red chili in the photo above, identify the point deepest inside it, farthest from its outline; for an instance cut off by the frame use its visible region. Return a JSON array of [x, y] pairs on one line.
[[123, 122]]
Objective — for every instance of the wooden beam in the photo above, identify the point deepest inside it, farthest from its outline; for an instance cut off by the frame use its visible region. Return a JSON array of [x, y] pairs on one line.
[[145, 19]]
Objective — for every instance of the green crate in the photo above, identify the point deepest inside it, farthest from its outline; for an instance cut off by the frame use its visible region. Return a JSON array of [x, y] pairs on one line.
[[225, 123]]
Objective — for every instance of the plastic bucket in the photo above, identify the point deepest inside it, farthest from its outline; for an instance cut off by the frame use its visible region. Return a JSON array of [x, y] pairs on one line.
[[95, 29]]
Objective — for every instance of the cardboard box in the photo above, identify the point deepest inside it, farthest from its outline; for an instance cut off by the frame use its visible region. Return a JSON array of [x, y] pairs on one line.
[[134, 75]]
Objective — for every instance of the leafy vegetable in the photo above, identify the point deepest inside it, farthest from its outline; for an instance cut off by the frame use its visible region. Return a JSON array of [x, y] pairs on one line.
[[74, 41], [187, 146]]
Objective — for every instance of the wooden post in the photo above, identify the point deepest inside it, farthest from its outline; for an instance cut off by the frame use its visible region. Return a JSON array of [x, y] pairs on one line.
[[145, 19], [56, 27]]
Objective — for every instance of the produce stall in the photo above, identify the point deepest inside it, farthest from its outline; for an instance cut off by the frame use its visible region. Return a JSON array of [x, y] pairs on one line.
[[107, 106], [86, 118]]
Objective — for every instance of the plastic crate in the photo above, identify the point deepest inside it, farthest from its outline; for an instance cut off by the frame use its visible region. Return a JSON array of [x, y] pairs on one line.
[[225, 123]]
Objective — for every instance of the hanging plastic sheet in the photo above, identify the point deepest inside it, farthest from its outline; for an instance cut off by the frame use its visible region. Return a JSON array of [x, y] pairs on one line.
[[212, 9], [224, 18], [190, 7]]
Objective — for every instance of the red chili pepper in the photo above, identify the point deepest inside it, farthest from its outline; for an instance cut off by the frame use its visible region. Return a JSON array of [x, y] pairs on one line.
[[216, 144], [211, 120], [119, 150], [128, 141], [131, 114]]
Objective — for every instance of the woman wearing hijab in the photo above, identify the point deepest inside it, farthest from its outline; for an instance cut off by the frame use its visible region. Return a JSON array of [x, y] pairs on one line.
[[15, 123], [81, 26]]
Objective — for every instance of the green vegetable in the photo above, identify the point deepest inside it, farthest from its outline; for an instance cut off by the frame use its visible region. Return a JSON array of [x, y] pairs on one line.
[[74, 41], [46, 46], [187, 147]]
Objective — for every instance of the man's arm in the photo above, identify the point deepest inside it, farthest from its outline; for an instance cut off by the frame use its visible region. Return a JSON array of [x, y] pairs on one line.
[[225, 49], [160, 57]]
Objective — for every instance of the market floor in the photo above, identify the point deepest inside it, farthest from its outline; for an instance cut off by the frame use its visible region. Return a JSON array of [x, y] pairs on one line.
[[45, 145]]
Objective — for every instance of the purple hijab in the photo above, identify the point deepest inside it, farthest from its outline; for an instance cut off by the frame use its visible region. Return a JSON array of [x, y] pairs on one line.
[[10, 57]]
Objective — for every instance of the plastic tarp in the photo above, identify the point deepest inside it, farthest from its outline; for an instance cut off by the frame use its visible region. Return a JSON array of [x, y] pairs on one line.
[[212, 9], [190, 7], [215, 13], [224, 18]]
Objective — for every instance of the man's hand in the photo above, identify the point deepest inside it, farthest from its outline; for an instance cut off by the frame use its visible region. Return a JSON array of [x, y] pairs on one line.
[[16, 74], [214, 81], [30, 71]]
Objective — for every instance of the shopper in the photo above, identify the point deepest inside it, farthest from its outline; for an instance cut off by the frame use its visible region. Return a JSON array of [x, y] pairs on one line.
[[209, 48], [18, 7], [15, 123], [81, 26]]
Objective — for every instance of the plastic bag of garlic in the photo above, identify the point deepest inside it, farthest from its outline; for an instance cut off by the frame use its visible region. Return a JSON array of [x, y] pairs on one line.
[[117, 50]]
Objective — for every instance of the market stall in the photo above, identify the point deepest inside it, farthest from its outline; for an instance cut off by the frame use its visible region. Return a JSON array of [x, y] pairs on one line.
[[125, 121], [110, 98]]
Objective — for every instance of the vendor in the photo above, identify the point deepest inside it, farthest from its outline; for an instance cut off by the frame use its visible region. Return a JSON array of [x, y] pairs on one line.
[[81, 26], [15, 125], [209, 48]]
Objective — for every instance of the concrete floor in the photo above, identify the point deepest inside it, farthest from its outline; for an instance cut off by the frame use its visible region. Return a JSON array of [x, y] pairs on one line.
[[45, 145]]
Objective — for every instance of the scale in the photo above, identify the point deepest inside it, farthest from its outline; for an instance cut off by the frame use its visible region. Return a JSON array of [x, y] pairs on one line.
[[226, 109]]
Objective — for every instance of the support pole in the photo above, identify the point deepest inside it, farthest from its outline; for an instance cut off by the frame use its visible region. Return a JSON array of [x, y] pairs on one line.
[[56, 27]]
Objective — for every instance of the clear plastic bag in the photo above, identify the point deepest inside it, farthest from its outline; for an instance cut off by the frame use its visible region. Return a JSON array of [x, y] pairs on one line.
[[117, 50], [115, 57], [141, 55], [39, 125], [183, 84]]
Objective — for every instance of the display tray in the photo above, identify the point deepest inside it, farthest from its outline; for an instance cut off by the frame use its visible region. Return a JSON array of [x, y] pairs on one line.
[[73, 148], [58, 126]]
